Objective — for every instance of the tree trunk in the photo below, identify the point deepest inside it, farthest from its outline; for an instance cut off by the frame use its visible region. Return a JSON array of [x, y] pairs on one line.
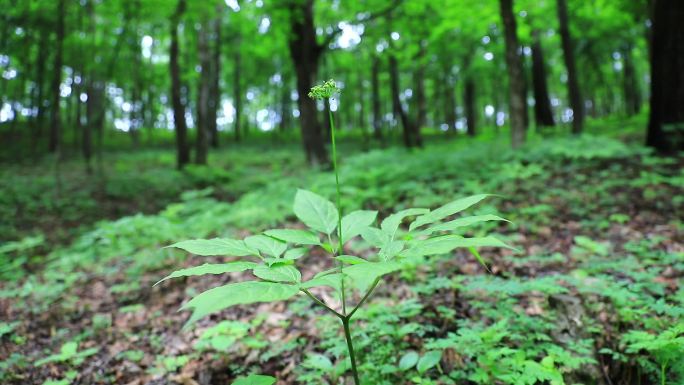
[[543, 116], [569, 57], [285, 102], [55, 123], [421, 102], [406, 123], [631, 90], [203, 95], [469, 101], [448, 88], [666, 122], [375, 96], [215, 99], [516, 85], [39, 101], [305, 53], [182, 147], [237, 93]]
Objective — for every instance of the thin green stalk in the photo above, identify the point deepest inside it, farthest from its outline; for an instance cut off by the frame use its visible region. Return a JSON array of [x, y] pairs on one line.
[[662, 373], [318, 301], [339, 207], [365, 297], [350, 347]]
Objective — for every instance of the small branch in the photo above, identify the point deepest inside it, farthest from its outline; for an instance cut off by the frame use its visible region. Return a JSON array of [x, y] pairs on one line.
[[365, 297], [318, 301]]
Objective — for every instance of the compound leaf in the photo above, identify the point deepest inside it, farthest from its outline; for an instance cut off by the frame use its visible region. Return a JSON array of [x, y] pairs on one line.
[[216, 246], [209, 268], [223, 297]]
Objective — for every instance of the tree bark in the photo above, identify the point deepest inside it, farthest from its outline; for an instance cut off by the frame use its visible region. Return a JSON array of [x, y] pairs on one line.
[[215, 95], [305, 52], [448, 87], [237, 93], [375, 96], [516, 85], [569, 57], [666, 120], [182, 147], [543, 116], [39, 101], [55, 118], [632, 94], [419, 76], [408, 131], [469, 99], [285, 103], [203, 95]]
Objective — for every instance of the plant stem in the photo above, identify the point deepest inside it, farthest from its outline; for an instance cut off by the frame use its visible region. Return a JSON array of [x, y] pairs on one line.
[[662, 373], [365, 297], [318, 301], [339, 207], [350, 347]]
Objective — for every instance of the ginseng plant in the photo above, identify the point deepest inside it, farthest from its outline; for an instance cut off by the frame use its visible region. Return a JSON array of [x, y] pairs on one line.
[[272, 256]]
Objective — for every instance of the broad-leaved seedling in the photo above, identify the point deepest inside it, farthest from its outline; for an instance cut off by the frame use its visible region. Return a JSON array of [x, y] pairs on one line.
[[273, 255]]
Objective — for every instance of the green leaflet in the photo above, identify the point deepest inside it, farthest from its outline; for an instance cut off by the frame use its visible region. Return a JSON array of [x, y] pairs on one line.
[[355, 222], [266, 245], [447, 210], [428, 360], [391, 224], [278, 273], [461, 222], [350, 259], [315, 211], [446, 243], [408, 360], [222, 297], [297, 237], [216, 246], [375, 236], [255, 379], [296, 253], [331, 280], [209, 268], [364, 274], [391, 249]]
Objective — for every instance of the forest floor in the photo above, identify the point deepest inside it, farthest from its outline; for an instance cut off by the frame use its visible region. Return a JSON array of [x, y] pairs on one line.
[[595, 294]]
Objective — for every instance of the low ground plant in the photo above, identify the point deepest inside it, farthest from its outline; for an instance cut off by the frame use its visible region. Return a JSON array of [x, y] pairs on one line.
[[273, 256]]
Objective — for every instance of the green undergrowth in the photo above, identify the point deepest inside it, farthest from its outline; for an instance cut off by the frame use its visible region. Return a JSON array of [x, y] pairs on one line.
[[619, 303]]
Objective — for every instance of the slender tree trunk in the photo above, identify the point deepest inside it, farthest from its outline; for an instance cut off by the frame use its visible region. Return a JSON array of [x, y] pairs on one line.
[[285, 102], [305, 52], [569, 57], [419, 76], [517, 105], [375, 96], [55, 118], [39, 101], [215, 99], [182, 147], [362, 111], [666, 122], [448, 89], [237, 93], [632, 94], [543, 116], [406, 123], [469, 99], [203, 96]]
